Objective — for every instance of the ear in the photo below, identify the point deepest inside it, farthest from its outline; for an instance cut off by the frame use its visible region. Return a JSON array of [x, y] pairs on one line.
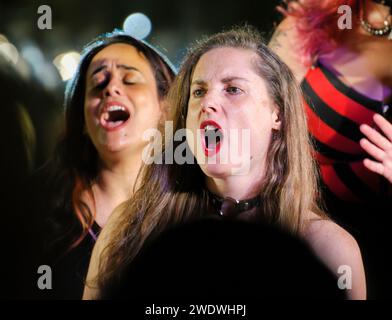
[[276, 119]]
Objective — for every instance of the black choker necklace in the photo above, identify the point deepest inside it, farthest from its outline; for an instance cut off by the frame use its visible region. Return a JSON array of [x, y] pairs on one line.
[[229, 207]]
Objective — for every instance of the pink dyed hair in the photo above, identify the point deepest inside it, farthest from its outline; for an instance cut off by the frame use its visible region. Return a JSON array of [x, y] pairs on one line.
[[317, 25]]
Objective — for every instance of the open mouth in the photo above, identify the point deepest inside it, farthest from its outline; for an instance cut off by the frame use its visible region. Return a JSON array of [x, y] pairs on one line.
[[212, 137], [114, 116]]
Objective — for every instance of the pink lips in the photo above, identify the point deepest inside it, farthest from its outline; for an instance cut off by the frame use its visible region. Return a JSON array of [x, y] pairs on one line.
[[214, 150], [105, 115]]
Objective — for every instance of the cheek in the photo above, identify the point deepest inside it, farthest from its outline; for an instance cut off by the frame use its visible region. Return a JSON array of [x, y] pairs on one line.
[[260, 130], [193, 108], [144, 100], [142, 93], [261, 138], [146, 118], [91, 107], [150, 112]]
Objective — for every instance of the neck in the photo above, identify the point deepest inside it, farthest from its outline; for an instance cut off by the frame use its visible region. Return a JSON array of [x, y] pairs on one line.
[[114, 185], [236, 187]]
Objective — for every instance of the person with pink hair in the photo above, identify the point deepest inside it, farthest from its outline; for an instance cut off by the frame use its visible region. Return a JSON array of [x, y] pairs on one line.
[[340, 52]]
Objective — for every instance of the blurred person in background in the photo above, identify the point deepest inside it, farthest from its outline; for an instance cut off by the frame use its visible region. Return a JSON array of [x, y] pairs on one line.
[[18, 145], [346, 79]]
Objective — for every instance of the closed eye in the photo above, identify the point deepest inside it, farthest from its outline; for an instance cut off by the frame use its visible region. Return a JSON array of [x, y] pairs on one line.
[[102, 84], [100, 80], [133, 78], [129, 81]]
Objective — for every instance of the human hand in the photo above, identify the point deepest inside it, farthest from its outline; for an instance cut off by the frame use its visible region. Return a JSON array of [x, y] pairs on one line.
[[378, 146], [288, 7]]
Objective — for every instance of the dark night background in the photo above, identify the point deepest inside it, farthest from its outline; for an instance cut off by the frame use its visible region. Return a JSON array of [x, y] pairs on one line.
[[175, 24], [32, 90]]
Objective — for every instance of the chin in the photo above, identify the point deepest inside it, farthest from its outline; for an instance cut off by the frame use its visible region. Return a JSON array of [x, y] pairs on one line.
[[117, 147], [216, 170]]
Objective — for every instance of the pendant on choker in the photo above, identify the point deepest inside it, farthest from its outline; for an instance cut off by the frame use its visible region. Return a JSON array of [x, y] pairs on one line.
[[229, 207]]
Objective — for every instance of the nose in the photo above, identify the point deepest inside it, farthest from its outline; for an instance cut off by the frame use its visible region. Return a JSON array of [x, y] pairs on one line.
[[209, 104], [113, 88]]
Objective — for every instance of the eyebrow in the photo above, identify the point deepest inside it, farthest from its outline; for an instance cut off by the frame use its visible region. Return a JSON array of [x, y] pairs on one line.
[[224, 80], [229, 79], [119, 66], [198, 82]]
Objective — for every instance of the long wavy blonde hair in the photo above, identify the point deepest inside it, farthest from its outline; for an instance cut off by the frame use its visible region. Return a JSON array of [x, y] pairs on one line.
[[171, 193]]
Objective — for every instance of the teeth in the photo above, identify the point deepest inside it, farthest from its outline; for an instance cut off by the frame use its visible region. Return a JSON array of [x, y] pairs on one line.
[[116, 108], [210, 127]]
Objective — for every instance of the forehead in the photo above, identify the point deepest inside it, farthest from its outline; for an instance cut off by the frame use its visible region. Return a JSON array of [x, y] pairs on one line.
[[119, 53], [222, 62]]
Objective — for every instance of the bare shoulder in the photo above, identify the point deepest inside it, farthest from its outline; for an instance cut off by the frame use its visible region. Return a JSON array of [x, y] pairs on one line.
[[325, 232], [325, 236], [285, 42], [283, 30], [337, 249]]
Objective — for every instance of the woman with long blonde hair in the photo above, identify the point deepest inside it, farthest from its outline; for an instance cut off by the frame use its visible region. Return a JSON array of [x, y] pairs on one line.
[[230, 82]]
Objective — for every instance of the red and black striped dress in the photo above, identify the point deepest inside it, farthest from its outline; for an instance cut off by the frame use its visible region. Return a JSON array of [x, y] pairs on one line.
[[335, 112]]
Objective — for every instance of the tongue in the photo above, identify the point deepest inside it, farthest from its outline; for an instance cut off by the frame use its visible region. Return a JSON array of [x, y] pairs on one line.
[[114, 119], [113, 124]]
